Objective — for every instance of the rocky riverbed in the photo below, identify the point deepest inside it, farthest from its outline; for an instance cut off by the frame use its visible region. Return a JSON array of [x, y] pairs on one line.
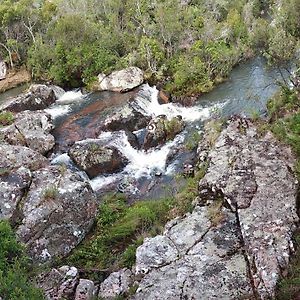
[[235, 244]]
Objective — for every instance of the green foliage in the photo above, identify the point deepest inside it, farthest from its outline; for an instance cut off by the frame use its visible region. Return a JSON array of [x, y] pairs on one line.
[[14, 267], [119, 232], [120, 228], [6, 118]]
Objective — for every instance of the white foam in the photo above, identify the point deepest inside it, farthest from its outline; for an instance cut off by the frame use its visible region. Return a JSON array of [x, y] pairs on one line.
[[141, 162], [100, 182], [70, 97], [58, 110], [147, 103]]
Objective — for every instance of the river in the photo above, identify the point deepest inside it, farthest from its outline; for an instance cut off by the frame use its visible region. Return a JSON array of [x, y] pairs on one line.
[[78, 116]]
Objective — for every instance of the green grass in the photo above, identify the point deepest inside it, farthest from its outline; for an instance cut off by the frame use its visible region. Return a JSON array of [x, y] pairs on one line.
[[50, 193], [14, 268], [6, 118], [120, 228]]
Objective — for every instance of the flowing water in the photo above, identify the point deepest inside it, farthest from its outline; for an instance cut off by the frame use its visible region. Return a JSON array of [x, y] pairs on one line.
[[148, 173]]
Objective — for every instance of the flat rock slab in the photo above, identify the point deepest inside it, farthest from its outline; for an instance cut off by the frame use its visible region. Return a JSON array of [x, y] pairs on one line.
[[207, 261], [254, 175], [58, 211], [30, 129]]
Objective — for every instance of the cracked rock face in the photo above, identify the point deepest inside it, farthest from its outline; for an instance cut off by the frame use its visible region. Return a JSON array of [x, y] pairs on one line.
[[58, 211], [254, 175], [206, 261], [16, 164], [31, 129]]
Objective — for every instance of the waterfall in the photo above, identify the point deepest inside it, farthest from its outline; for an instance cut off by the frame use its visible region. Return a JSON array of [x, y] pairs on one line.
[[146, 102]]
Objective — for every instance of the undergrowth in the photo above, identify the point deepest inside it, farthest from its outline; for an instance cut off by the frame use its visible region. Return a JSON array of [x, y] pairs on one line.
[[121, 228]]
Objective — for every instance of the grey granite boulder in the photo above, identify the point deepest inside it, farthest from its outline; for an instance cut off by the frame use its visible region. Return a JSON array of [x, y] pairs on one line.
[[16, 164], [121, 81], [85, 290], [58, 211], [59, 283], [160, 130], [30, 129], [95, 158], [37, 97]]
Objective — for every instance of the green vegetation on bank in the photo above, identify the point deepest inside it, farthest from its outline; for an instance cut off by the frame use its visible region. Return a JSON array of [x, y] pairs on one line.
[[120, 228], [189, 45], [14, 268]]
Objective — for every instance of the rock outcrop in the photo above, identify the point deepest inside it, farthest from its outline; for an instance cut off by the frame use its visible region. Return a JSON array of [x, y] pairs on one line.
[[160, 130], [238, 240], [95, 158], [58, 211], [126, 118], [194, 259], [30, 129], [254, 175], [116, 284], [121, 81], [16, 164], [65, 283], [38, 97]]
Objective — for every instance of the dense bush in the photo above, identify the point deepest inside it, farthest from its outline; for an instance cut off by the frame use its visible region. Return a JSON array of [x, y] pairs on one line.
[[191, 46]]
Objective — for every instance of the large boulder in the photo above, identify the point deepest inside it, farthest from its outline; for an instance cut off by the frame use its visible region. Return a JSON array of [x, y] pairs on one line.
[[121, 81], [16, 164], [58, 211], [194, 259], [3, 70], [37, 97], [125, 118], [95, 158], [13, 187], [254, 175], [160, 130], [30, 129]]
